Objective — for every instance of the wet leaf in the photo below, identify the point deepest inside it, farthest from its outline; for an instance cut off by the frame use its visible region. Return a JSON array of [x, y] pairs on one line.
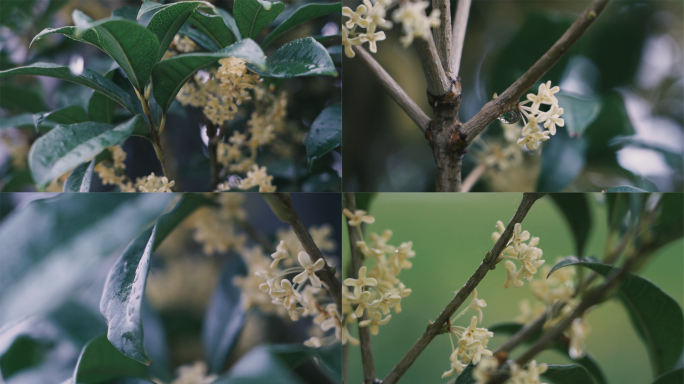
[[213, 26], [69, 115], [80, 178], [302, 57], [325, 133], [252, 16], [167, 21], [302, 15]]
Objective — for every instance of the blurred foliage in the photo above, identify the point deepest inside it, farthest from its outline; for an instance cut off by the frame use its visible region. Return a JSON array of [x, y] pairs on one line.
[[628, 66]]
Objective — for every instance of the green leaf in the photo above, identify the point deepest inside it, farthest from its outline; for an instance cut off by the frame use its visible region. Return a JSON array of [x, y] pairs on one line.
[[364, 200], [302, 15], [562, 160], [578, 112], [23, 120], [70, 115], [617, 205], [325, 133], [466, 377], [80, 178], [588, 361], [567, 374], [252, 16], [20, 99], [100, 362], [575, 209], [302, 57], [199, 38], [67, 146], [230, 22], [214, 27], [263, 364], [125, 41], [123, 293], [50, 244], [671, 224], [169, 75], [624, 189], [126, 12], [148, 6], [166, 23], [87, 78], [224, 318], [24, 352], [672, 377], [656, 316], [100, 107]]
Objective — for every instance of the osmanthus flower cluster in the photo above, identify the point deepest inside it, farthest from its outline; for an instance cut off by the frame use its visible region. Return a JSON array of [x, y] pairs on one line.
[[286, 284], [530, 375], [192, 374], [516, 249], [533, 116], [112, 173], [371, 15], [377, 290]]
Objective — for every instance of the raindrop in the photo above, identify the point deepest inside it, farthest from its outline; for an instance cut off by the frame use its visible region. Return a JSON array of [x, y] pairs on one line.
[[235, 181], [510, 117]]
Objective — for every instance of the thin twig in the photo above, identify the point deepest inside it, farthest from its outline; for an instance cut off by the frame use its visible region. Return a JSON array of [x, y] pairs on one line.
[[473, 177], [442, 34], [509, 98], [367, 359], [459, 32], [393, 89], [437, 82], [281, 204], [465, 291]]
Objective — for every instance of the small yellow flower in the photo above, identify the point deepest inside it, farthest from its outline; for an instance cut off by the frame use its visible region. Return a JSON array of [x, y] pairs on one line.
[[309, 270], [356, 218]]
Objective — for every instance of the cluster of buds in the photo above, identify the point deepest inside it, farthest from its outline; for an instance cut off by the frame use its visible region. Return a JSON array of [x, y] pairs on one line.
[[532, 116], [215, 228], [516, 249], [371, 16], [377, 291], [112, 173]]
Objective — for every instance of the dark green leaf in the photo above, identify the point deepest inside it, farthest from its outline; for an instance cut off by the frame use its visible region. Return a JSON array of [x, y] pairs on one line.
[[87, 78], [672, 377], [617, 205], [259, 365], [252, 16], [466, 377], [213, 26], [100, 107], [301, 15], [79, 322], [562, 160], [69, 115], [656, 316], [68, 235], [567, 374], [670, 226], [224, 317], [166, 23], [80, 177], [169, 75], [126, 12], [20, 99], [364, 200], [148, 6], [67, 146], [612, 121], [624, 189], [326, 39], [325, 133], [578, 112], [575, 209], [587, 361], [302, 57], [100, 362], [199, 38], [121, 303], [16, 181], [24, 352], [125, 41], [230, 22]]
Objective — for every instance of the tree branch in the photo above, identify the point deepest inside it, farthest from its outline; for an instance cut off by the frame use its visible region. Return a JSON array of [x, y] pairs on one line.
[[437, 81], [281, 204], [465, 291], [473, 177], [393, 89], [442, 34], [367, 359], [459, 31], [509, 98]]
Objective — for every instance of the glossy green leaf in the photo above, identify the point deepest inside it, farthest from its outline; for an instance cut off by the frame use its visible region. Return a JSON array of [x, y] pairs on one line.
[[20, 99], [80, 178], [578, 112], [68, 235], [624, 189], [87, 78], [214, 27], [261, 365], [167, 21], [67, 146], [672, 377], [567, 374], [657, 317], [252, 16], [100, 362], [224, 317], [23, 120], [325, 133], [199, 38], [70, 115], [575, 209], [123, 293], [562, 158], [302, 57], [169, 75], [230, 22], [302, 15], [588, 361], [100, 107], [125, 41]]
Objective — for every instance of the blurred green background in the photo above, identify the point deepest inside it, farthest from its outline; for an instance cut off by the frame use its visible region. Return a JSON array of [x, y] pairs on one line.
[[451, 234], [629, 61]]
